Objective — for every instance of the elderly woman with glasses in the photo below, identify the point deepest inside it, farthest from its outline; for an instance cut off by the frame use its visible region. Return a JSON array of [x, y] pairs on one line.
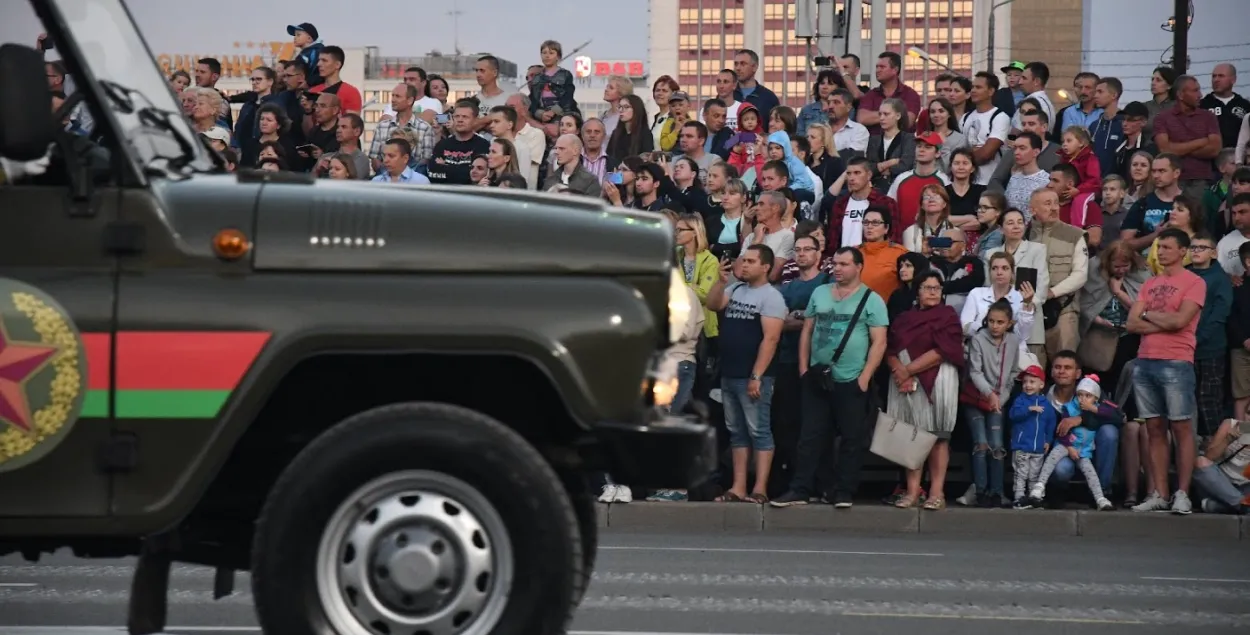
[[925, 356]]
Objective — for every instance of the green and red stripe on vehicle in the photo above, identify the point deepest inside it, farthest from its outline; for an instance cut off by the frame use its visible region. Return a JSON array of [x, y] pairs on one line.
[[168, 374]]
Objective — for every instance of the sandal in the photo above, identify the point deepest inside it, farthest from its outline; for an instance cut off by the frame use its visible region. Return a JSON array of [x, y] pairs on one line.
[[758, 498], [935, 504], [728, 497], [906, 502]]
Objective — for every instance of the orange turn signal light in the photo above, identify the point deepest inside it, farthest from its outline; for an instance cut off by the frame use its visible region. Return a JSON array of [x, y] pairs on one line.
[[231, 244]]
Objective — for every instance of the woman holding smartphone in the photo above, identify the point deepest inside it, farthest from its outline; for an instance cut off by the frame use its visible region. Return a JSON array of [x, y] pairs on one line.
[[1030, 260]]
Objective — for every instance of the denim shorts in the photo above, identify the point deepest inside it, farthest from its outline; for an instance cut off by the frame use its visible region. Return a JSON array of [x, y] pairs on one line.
[[1166, 389], [748, 420]]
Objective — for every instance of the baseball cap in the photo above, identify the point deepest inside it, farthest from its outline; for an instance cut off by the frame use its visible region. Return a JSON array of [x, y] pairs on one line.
[[217, 133], [1034, 371], [679, 95], [932, 138], [1135, 110], [306, 27], [1014, 66]]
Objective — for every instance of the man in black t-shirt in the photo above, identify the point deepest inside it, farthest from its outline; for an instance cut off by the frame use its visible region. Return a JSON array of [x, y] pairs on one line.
[[453, 156]]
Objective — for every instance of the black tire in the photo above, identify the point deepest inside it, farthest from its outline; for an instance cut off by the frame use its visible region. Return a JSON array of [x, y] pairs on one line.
[[587, 521], [523, 488]]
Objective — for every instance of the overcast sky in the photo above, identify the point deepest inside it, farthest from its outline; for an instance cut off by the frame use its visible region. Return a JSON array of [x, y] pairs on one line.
[[412, 27]]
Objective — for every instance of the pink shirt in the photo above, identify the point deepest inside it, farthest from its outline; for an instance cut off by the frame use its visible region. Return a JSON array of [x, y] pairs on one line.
[[1166, 293]]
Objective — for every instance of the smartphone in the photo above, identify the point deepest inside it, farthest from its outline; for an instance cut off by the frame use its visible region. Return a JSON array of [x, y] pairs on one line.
[[442, 119], [616, 178], [1026, 274], [941, 242]]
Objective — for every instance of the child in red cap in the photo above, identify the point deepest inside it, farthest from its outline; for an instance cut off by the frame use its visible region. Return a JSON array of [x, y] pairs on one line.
[[1033, 422]]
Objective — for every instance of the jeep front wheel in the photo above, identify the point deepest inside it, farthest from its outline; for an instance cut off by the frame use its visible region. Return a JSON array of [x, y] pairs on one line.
[[417, 519]]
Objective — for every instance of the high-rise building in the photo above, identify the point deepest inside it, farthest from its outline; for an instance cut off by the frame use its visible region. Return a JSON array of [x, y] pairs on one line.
[[693, 39]]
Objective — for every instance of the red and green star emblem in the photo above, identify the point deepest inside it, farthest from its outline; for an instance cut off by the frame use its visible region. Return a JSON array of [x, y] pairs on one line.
[[19, 361]]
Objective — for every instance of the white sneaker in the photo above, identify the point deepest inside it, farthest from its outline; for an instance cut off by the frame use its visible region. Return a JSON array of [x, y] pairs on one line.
[[1104, 505], [1038, 492], [1181, 504], [1153, 503], [623, 494], [969, 498], [608, 494]]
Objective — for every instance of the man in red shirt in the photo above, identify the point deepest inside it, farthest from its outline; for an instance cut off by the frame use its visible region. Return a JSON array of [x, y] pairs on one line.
[[1192, 133], [907, 187], [329, 65], [1080, 209], [889, 72], [1164, 384]]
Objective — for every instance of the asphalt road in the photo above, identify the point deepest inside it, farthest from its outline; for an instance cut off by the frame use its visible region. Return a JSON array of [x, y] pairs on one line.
[[770, 585]]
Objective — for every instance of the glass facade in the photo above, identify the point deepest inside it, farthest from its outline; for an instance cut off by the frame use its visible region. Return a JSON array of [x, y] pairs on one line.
[[711, 31]]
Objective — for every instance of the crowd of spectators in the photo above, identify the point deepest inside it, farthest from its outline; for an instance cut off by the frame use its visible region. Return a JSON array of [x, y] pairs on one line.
[[1058, 292]]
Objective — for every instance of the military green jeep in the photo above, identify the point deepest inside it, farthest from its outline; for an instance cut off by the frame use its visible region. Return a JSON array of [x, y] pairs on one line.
[[381, 400]]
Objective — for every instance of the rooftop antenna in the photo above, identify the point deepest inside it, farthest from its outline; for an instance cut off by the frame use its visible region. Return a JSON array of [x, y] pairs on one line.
[[455, 14]]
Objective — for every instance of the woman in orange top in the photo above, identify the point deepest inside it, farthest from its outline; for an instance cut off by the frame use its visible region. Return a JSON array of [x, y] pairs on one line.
[[880, 255]]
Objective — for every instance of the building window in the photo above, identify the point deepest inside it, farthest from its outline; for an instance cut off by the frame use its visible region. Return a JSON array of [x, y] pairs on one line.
[[711, 41], [781, 11], [707, 91], [688, 67], [689, 16], [734, 41], [711, 15], [733, 16]]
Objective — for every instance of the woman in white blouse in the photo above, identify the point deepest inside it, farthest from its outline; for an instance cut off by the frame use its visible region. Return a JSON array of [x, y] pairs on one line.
[[1026, 254], [1002, 276]]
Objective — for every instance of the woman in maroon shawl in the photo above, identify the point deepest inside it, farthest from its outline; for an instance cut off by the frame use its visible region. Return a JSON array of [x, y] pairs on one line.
[[925, 356]]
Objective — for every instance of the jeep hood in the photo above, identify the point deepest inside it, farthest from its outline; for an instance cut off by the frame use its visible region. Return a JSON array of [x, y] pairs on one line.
[[361, 226]]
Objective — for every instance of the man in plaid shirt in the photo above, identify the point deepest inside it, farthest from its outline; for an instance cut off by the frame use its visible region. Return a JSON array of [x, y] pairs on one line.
[[403, 97]]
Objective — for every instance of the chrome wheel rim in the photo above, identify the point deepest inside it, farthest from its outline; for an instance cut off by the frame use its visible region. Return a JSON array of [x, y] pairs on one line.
[[415, 553]]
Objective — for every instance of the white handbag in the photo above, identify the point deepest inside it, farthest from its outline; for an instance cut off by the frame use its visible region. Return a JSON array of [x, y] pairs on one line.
[[901, 442]]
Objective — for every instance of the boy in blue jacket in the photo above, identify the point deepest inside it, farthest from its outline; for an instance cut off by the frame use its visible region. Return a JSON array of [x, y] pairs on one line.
[[1033, 421], [1077, 444]]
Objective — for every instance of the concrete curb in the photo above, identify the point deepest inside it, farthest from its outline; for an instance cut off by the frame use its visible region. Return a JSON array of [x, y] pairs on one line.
[[879, 519]]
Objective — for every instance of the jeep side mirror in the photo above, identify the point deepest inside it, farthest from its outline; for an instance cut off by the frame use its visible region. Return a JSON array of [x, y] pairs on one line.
[[26, 128]]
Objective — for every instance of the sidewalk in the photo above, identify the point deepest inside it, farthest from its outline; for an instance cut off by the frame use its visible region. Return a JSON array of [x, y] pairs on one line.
[[878, 519]]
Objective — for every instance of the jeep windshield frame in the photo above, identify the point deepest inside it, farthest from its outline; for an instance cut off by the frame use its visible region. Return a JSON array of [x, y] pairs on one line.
[[99, 41]]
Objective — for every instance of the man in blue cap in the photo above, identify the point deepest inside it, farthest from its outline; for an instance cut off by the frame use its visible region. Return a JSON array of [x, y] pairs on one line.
[[310, 45]]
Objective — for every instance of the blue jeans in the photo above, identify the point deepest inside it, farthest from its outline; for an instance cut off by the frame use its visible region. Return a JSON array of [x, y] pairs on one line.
[[1165, 389], [748, 420], [1106, 450], [987, 449], [685, 386]]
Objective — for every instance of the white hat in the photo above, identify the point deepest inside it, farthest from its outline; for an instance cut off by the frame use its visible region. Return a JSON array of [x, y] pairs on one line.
[[217, 133], [1089, 384]]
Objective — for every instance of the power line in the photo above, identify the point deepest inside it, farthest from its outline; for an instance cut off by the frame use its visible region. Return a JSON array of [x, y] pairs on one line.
[[1209, 47]]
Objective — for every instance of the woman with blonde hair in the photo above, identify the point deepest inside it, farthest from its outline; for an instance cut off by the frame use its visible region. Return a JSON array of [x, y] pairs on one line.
[[933, 219], [823, 158], [892, 152], [728, 230]]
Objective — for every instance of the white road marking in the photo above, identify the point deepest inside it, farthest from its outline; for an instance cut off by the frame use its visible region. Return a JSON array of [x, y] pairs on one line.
[[17, 584], [901, 554], [1217, 580]]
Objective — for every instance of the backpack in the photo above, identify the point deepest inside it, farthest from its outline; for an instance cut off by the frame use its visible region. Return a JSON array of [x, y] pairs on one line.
[[963, 125]]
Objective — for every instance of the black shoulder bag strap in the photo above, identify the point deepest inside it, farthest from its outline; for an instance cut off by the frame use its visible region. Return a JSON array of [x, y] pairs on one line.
[[846, 337]]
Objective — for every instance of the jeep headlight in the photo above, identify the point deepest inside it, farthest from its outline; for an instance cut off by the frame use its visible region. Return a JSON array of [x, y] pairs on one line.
[[679, 307]]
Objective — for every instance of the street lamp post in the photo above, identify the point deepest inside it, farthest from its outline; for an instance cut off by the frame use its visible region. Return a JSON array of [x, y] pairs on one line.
[[993, 23], [922, 54]]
